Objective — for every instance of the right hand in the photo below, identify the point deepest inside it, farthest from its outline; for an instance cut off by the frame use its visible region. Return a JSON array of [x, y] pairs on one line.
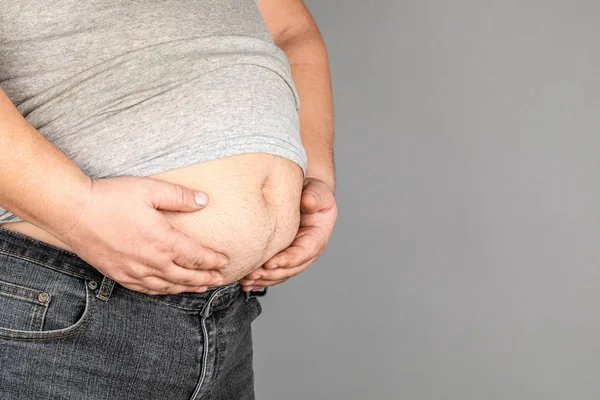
[[121, 233]]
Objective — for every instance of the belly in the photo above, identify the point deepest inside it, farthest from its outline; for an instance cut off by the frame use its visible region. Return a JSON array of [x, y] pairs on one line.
[[253, 210]]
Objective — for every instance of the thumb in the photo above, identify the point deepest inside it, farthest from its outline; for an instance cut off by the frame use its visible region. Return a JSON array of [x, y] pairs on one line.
[[314, 197], [173, 197]]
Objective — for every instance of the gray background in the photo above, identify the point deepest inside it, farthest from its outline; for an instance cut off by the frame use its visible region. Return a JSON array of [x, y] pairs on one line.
[[465, 263]]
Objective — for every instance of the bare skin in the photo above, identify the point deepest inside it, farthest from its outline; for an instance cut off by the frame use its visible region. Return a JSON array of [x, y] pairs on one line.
[[296, 33], [114, 224], [253, 214], [270, 226]]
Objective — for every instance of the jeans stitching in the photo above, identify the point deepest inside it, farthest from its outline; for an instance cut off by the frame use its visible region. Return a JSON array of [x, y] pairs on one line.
[[37, 318], [204, 358], [77, 330], [203, 320], [22, 297], [223, 306], [150, 298], [45, 264], [43, 313], [3, 284], [37, 241]]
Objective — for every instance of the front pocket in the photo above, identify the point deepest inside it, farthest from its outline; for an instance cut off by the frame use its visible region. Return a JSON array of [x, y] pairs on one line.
[[22, 308], [38, 302]]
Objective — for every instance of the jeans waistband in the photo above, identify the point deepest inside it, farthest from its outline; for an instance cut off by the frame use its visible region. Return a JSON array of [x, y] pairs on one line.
[[61, 260]]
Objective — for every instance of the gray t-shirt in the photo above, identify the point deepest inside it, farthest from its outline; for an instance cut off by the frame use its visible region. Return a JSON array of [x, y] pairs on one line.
[[139, 87]]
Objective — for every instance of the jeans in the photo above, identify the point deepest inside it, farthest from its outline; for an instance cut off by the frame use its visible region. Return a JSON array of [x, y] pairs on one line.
[[69, 332]]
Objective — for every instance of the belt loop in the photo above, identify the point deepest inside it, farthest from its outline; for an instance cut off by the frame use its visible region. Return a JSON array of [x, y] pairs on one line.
[[105, 289], [255, 293], [261, 292]]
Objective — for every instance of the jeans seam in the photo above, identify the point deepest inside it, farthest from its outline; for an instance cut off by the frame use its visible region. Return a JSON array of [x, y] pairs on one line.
[[34, 240], [18, 287], [175, 305], [77, 331], [150, 298], [205, 314], [71, 333], [45, 264], [204, 358], [36, 323]]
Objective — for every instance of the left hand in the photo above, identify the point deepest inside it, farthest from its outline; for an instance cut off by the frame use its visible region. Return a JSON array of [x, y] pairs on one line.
[[318, 212]]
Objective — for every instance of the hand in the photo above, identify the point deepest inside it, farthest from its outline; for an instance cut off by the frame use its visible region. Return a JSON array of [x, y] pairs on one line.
[[121, 233], [318, 214]]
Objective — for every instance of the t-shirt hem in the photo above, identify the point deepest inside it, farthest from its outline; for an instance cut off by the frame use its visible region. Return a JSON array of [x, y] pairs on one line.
[[220, 149]]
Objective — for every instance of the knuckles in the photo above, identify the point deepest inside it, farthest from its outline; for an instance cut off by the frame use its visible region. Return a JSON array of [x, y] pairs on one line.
[[167, 288], [140, 271], [199, 260], [180, 196]]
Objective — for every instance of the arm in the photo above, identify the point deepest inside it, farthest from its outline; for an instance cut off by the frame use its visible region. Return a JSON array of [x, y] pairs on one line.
[[37, 181], [294, 30], [111, 223]]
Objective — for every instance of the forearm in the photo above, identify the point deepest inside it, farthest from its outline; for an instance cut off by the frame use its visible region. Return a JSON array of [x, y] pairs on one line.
[[307, 55], [38, 182]]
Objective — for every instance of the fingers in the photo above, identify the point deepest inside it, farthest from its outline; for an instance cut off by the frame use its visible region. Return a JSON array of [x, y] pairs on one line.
[[319, 212], [260, 284], [188, 253], [173, 197], [308, 244], [263, 276], [189, 277], [154, 285]]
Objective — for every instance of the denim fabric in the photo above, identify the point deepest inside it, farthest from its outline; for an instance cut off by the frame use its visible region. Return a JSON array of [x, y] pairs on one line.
[[68, 332]]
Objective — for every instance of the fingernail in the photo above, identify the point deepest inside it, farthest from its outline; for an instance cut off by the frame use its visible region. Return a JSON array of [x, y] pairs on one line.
[[201, 198], [272, 266], [202, 289], [256, 277], [250, 283]]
